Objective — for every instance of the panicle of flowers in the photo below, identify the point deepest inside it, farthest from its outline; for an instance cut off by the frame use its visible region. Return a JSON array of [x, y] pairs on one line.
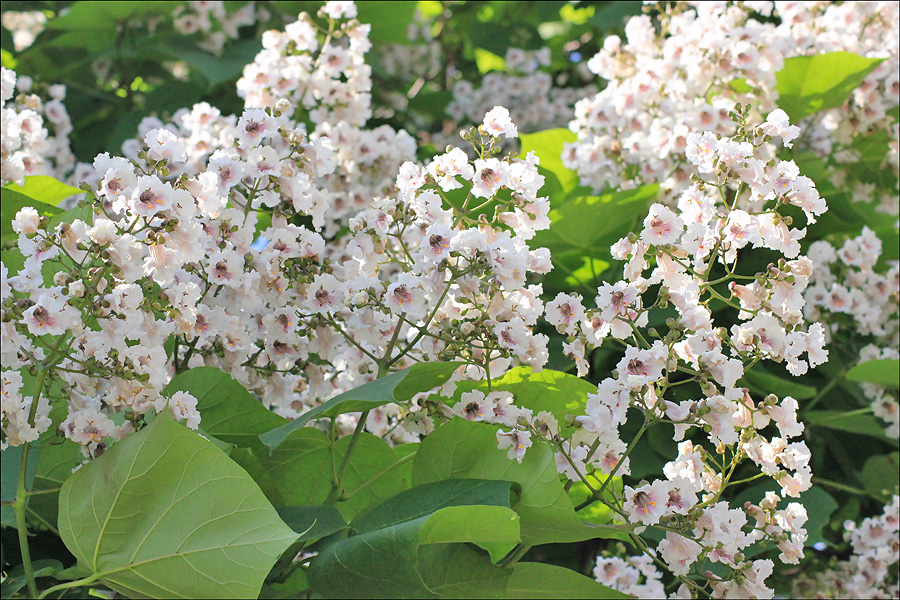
[[322, 72], [24, 26], [97, 298], [534, 100], [35, 132], [688, 259], [871, 570], [855, 300], [685, 74], [636, 576], [210, 21]]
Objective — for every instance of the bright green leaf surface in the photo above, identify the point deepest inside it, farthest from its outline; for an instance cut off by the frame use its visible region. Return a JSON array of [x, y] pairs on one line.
[[488, 61], [165, 514], [460, 449], [396, 387], [228, 411], [45, 189], [539, 580], [548, 146], [302, 469], [553, 391], [12, 202], [884, 372], [808, 84]]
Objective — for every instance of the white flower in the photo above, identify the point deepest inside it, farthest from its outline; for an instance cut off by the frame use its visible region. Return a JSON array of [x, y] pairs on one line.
[[497, 123]]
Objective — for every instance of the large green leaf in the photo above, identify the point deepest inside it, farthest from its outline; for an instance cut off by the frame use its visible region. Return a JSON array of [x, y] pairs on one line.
[[539, 580], [548, 146], [764, 384], [422, 557], [389, 20], [583, 221], [53, 469], [303, 466], [44, 188], [12, 202], [165, 514], [96, 14], [461, 449], [884, 372], [426, 499], [227, 410], [396, 387], [840, 421], [553, 391], [881, 475], [11, 460], [313, 522], [808, 84]]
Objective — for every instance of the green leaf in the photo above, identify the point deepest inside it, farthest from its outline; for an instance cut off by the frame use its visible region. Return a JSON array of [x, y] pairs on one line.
[[164, 514], [396, 387], [11, 461], [228, 410], [553, 391], [389, 20], [583, 221], [548, 146], [488, 61], [216, 70], [460, 449], [97, 14], [54, 467], [313, 522], [302, 469], [765, 383], [539, 580], [808, 84], [422, 557], [881, 475], [884, 372], [425, 499], [840, 421], [12, 202], [45, 189], [16, 580]]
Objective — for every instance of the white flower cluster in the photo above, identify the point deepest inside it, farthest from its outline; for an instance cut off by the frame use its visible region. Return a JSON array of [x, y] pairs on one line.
[[695, 249], [851, 298], [35, 133], [687, 73], [870, 572], [213, 22], [156, 259], [24, 26], [330, 84], [531, 97], [636, 576]]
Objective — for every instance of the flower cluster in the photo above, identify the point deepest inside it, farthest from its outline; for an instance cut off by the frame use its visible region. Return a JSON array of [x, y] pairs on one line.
[[685, 74], [696, 250], [24, 26], [854, 300], [35, 138], [868, 571], [214, 23]]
